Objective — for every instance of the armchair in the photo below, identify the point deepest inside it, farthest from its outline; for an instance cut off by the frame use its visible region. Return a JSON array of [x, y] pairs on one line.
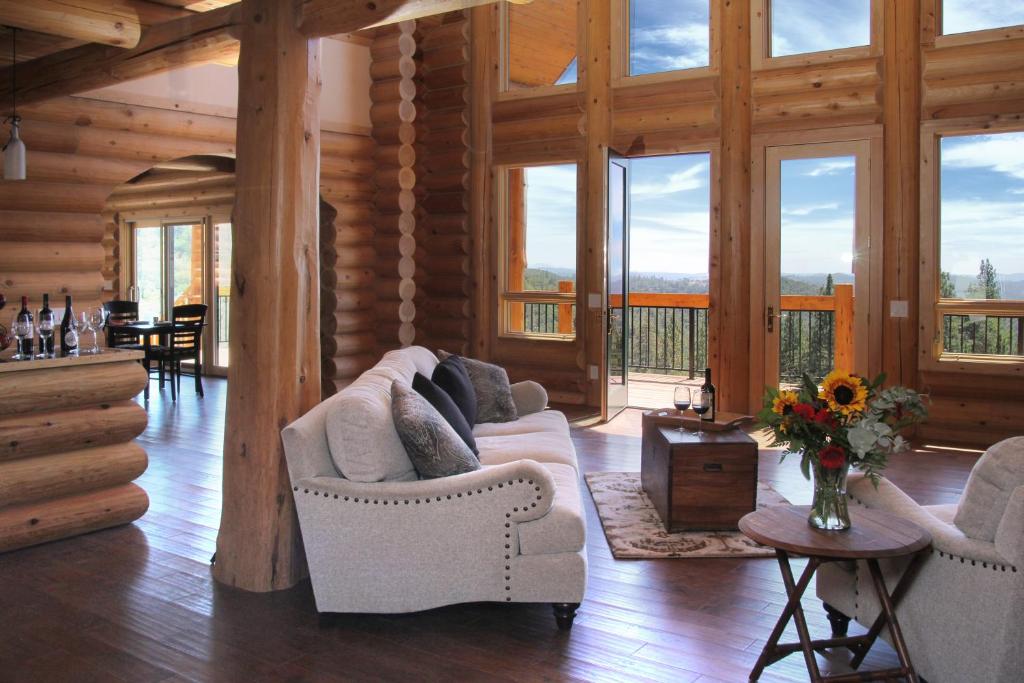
[[963, 615]]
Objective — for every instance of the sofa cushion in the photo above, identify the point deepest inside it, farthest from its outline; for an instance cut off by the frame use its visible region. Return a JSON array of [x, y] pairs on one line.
[[452, 376], [529, 397], [361, 432], [563, 528], [433, 446], [544, 447], [994, 477], [493, 394], [444, 404], [544, 421]]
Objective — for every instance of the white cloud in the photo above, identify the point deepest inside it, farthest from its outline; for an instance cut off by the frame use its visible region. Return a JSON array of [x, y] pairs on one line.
[[831, 167], [1003, 153], [809, 209], [959, 16], [974, 229], [692, 178]]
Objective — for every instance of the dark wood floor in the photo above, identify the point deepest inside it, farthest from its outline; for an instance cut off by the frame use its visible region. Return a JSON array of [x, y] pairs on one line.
[[137, 603]]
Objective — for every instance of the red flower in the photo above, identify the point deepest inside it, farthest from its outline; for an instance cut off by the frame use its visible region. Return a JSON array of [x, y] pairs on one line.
[[832, 457], [804, 410], [825, 417]]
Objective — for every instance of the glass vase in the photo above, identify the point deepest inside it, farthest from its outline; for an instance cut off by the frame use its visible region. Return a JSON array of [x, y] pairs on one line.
[[828, 509]]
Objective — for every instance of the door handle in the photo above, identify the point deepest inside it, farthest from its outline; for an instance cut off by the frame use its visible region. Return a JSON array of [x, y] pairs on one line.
[[770, 319]]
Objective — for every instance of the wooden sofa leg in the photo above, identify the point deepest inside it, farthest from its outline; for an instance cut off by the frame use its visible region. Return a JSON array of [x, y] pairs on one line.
[[839, 621], [565, 612]]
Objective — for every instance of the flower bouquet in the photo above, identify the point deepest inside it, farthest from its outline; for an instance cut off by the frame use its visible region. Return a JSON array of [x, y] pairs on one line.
[[848, 421]]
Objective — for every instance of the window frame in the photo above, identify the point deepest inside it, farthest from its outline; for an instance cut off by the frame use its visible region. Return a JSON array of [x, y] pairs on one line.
[[932, 25], [506, 93], [932, 306], [620, 34], [505, 296], [761, 39]]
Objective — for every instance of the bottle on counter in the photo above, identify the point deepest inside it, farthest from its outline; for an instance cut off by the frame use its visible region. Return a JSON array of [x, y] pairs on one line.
[[68, 330], [710, 399], [45, 325]]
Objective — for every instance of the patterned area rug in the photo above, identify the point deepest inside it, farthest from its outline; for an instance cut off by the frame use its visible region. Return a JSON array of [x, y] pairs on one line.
[[634, 530]]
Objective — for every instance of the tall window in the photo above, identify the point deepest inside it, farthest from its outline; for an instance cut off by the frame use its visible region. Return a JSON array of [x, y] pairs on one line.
[[981, 244], [540, 246], [801, 26], [540, 44], [961, 16], [668, 35]]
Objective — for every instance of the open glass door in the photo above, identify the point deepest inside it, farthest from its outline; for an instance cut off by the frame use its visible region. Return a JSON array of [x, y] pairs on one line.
[[617, 254], [817, 265]]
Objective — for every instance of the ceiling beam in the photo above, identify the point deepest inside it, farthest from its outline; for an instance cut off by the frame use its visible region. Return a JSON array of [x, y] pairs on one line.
[[94, 21], [321, 18], [195, 39]]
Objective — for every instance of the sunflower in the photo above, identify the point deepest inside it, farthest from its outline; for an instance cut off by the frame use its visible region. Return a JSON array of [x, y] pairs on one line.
[[845, 393], [784, 402]]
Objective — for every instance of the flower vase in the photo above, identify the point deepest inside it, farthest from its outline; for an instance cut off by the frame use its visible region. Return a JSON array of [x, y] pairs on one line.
[[828, 509]]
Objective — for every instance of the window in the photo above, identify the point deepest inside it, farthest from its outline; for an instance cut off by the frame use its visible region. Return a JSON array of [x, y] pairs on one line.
[[668, 35], [802, 26], [540, 247], [540, 44], [981, 244], [962, 16]]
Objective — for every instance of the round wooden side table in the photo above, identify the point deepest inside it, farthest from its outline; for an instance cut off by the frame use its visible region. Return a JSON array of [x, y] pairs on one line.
[[874, 535]]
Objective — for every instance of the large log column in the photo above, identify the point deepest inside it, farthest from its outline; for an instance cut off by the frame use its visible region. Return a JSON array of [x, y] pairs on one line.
[[275, 354]]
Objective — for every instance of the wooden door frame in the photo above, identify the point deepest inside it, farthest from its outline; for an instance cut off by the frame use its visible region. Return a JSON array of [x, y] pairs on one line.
[[859, 140]]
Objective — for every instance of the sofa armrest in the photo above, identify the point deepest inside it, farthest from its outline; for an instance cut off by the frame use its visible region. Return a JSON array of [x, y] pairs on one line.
[[946, 538], [1010, 532], [525, 488], [529, 397]]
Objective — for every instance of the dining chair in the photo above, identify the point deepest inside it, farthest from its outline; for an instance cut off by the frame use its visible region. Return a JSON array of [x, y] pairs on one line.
[[184, 343], [120, 313]]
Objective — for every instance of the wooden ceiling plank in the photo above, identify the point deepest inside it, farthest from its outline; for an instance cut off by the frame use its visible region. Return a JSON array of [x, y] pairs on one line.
[[94, 21], [329, 17]]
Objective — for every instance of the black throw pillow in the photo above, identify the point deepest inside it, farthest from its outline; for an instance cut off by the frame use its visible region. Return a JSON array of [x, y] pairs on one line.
[[452, 376], [444, 404]]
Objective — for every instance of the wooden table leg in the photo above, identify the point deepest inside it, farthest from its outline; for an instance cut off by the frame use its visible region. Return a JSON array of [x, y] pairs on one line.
[[795, 591], [861, 651], [889, 611]]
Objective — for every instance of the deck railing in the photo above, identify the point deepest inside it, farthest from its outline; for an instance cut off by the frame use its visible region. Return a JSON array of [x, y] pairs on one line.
[[990, 335]]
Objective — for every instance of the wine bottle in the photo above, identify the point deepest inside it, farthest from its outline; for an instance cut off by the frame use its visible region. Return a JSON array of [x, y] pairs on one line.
[[25, 343], [708, 389], [68, 330], [45, 341]]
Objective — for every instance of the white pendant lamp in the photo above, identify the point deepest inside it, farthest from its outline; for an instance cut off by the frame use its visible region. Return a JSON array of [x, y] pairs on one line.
[[14, 150]]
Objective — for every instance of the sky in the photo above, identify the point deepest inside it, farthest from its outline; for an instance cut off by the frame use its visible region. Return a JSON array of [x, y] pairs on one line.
[[666, 35], [959, 16], [817, 222], [982, 203], [812, 26]]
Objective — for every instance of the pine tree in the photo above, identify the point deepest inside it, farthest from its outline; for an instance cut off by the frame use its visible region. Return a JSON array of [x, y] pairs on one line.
[[987, 285], [947, 288], [830, 286]]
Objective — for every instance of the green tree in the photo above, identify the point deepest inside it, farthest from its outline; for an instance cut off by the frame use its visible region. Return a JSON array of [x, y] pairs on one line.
[[987, 284], [947, 288], [830, 286]]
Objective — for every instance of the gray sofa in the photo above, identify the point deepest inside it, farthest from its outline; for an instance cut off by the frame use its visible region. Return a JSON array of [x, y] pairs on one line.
[[380, 540]]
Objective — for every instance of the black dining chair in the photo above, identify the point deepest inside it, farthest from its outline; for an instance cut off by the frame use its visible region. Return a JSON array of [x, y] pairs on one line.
[[184, 342], [120, 313]]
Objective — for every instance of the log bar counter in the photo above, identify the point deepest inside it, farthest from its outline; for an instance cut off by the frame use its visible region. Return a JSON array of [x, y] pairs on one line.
[[68, 454]]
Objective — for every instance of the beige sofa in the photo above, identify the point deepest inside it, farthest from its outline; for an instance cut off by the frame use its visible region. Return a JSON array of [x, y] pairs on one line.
[[513, 531], [963, 615]]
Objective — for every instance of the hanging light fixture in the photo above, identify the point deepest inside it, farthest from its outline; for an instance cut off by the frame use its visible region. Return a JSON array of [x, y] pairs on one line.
[[14, 150]]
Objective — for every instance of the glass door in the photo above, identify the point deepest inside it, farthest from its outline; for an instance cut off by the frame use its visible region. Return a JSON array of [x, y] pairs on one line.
[[817, 233], [617, 304], [147, 285], [219, 297]]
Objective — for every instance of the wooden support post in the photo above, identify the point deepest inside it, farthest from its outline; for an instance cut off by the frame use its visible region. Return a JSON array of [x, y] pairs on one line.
[[275, 367], [516, 193], [844, 328], [565, 310]]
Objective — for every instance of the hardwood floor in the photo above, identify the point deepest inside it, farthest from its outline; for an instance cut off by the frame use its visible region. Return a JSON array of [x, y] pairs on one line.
[[137, 603]]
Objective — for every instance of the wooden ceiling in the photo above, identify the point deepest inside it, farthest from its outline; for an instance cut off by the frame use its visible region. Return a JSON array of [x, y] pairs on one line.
[[542, 41]]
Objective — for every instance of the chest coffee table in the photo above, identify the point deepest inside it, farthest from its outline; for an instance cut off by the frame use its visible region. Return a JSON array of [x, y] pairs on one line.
[[873, 535], [697, 480]]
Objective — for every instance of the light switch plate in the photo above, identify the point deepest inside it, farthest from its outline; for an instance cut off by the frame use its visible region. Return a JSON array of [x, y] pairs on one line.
[[593, 372], [899, 309], [594, 301]]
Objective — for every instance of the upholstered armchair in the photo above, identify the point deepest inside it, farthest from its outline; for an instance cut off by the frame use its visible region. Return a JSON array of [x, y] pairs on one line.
[[963, 615]]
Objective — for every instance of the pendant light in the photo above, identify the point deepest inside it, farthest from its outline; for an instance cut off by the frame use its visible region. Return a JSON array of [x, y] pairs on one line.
[[14, 150]]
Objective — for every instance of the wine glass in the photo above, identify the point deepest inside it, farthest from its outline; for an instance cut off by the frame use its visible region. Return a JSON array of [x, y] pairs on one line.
[[681, 400], [701, 405], [87, 341], [47, 322], [98, 318], [22, 328]]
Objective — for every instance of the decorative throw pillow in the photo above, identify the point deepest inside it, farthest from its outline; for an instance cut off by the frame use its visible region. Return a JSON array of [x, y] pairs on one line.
[[452, 376], [993, 480], [493, 394], [433, 446], [444, 404]]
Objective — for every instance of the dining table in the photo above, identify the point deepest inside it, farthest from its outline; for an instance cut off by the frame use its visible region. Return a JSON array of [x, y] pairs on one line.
[[146, 330]]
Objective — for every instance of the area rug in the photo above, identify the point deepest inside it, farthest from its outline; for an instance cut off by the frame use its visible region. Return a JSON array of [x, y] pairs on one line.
[[634, 530]]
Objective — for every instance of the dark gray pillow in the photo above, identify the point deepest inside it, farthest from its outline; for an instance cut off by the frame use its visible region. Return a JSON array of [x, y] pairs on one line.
[[493, 393], [433, 446]]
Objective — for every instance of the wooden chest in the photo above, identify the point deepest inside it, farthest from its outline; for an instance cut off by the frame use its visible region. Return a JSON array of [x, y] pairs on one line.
[[698, 482]]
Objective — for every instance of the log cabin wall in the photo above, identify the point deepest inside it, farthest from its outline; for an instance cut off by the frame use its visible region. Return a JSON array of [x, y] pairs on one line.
[[58, 231]]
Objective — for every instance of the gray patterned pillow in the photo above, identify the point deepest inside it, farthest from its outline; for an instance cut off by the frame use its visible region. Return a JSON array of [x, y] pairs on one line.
[[434, 448], [493, 393]]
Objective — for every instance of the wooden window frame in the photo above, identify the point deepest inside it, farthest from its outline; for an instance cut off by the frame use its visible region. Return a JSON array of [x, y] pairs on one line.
[[933, 307], [620, 35], [761, 37], [504, 93], [505, 296], [932, 31]]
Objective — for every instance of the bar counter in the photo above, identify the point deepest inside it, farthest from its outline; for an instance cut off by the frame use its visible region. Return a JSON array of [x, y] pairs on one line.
[[68, 454]]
